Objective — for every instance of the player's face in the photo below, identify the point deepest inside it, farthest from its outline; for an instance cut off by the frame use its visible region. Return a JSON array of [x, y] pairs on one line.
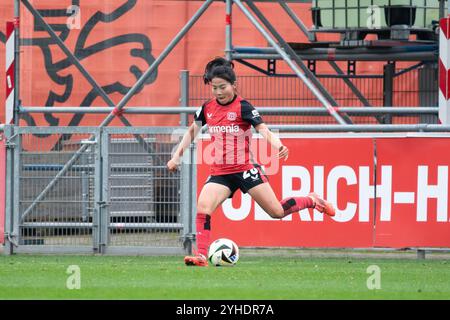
[[223, 90]]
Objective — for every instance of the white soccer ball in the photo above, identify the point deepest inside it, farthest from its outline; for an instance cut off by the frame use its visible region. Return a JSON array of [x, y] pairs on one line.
[[223, 252]]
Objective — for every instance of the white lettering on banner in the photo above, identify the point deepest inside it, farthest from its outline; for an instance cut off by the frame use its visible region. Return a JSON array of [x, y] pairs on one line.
[[366, 190], [237, 214], [346, 173], [319, 181], [426, 191], [404, 197]]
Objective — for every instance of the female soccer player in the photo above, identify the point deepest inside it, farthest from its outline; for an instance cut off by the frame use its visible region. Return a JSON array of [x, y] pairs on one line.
[[229, 118]]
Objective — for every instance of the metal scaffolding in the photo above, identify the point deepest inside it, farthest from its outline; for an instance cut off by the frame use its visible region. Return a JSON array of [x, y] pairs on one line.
[[393, 44], [293, 54]]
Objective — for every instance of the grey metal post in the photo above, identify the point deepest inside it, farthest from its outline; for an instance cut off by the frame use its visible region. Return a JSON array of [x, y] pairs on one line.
[[98, 189], [229, 30], [193, 177], [441, 8], [420, 254], [104, 202], [428, 90], [85, 195], [9, 212], [17, 62], [185, 200], [16, 185], [289, 61], [388, 88], [184, 98], [280, 110]]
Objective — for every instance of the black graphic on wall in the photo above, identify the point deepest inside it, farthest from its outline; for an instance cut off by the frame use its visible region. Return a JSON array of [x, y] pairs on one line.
[[142, 50]]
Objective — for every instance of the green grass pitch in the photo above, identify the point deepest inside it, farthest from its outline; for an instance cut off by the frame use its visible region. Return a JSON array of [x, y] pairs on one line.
[[254, 277]]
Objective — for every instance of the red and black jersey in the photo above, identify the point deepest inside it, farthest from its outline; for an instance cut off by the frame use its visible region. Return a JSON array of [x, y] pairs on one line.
[[230, 129]]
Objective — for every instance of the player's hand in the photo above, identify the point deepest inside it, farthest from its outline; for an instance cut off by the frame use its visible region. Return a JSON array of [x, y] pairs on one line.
[[172, 164], [283, 153]]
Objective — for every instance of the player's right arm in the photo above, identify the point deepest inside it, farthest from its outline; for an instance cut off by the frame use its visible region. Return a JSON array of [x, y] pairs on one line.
[[188, 137]]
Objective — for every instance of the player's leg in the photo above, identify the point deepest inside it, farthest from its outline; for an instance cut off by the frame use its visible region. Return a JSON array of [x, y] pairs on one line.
[[264, 195], [211, 196], [256, 184], [295, 204]]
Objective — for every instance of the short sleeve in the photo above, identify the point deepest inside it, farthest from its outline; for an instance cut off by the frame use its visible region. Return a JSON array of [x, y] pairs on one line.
[[250, 114], [199, 116]]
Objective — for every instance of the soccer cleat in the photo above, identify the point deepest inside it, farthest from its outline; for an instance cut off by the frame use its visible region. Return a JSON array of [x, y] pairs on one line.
[[198, 260], [322, 205]]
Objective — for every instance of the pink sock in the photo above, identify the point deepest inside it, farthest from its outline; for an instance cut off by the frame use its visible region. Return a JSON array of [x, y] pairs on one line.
[[296, 204], [203, 222]]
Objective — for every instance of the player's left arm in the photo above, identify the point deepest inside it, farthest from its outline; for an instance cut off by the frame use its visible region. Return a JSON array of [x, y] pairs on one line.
[[252, 116], [283, 151]]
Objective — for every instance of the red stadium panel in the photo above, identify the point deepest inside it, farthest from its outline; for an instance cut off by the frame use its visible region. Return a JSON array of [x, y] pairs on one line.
[[410, 196], [418, 214], [331, 165]]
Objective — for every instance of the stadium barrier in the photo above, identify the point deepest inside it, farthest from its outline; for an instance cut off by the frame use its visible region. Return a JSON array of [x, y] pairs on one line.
[[390, 191], [85, 189]]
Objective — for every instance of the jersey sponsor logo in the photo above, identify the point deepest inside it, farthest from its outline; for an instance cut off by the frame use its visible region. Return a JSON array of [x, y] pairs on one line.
[[231, 116], [224, 129], [255, 113], [197, 113]]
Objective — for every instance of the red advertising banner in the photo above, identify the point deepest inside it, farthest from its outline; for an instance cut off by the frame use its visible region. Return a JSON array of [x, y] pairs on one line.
[[407, 206], [412, 184]]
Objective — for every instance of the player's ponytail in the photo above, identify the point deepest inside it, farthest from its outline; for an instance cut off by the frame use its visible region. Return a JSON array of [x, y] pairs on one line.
[[219, 68]]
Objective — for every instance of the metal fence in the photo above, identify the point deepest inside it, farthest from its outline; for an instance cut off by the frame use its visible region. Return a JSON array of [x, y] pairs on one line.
[[98, 190], [417, 87]]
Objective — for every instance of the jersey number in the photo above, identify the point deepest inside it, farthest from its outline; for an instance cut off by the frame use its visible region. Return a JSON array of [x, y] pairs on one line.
[[247, 174]]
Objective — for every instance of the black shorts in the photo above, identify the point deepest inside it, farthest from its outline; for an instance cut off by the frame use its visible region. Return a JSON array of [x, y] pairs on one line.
[[240, 180]]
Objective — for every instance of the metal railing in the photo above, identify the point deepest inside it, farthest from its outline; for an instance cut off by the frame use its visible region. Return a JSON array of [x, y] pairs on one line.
[[399, 96], [116, 197]]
